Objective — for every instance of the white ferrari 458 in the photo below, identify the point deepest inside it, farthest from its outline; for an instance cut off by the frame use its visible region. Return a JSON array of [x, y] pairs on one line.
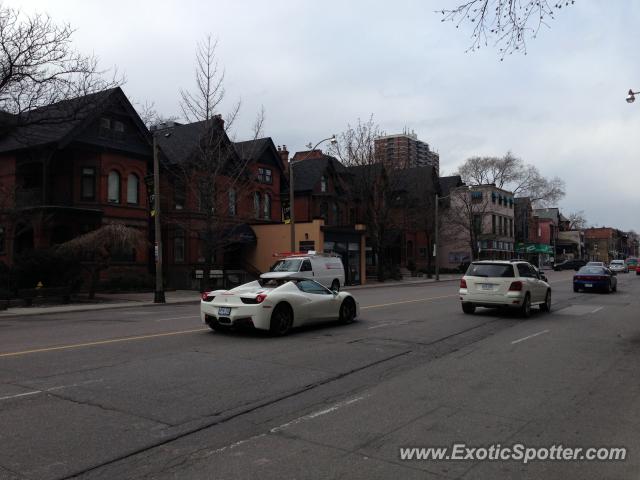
[[276, 305]]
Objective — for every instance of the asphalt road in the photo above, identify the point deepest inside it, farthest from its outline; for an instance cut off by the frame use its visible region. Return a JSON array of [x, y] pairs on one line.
[[148, 392]]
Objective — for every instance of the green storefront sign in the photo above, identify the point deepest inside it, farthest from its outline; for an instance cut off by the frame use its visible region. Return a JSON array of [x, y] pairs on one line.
[[534, 248]]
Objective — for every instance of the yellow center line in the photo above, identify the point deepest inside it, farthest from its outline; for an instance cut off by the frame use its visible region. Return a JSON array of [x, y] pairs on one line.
[[407, 301], [181, 332], [101, 342]]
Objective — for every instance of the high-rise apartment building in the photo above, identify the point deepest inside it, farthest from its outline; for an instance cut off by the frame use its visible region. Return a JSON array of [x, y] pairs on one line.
[[404, 150]]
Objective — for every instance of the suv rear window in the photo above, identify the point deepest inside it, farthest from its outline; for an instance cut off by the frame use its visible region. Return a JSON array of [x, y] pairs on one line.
[[490, 270]]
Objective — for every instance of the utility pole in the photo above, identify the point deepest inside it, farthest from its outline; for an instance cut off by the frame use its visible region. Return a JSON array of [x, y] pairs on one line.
[[436, 244], [159, 290]]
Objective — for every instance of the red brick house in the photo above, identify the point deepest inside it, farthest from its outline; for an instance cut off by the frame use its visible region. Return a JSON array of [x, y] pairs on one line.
[[74, 166], [250, 195]]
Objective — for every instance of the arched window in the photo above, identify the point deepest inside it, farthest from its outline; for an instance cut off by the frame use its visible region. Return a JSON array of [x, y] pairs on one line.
[[232, 202], [132, 189], [114, 187], [256, 204], [334, 213], [267, 206], [323, 183]]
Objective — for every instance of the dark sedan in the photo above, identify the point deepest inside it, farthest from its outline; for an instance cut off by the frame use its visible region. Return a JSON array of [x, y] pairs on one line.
[[570, 265], [595, 278]]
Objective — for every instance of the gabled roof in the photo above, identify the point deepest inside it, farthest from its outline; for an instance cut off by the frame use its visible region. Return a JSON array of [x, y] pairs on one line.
[[254, 149], [414, 180], [449, 183], [307, 173], [179, 143], [58, 124], [547, 213]]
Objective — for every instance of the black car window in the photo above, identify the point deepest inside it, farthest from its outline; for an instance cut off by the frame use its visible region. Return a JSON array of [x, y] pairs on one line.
[[591, 270], [490, 270], [524, 271], [309, 286], [306, 266]]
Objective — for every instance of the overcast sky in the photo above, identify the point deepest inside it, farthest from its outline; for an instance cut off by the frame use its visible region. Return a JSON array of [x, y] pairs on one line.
[[317, 66]]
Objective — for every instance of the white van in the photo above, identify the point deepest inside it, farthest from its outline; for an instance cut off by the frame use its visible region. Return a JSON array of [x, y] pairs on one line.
[[324, 268]]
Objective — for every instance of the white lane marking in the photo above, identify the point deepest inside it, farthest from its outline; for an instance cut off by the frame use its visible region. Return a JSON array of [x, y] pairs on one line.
[[529, 336], [176, 318], [380, 325], [310, 416], [52, 389], [596, 310], [20, 395], [319, 413]]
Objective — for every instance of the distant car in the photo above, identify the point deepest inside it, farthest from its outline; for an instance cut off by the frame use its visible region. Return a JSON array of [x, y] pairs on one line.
[[569, 265], [324, 268], [499, 283], [632, 264], [618, 266], [276, 305], [592, 277], [596, 264]]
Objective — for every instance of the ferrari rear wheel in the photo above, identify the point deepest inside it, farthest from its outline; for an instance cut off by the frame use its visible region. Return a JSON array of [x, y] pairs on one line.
[[281, 320], [347, 311]]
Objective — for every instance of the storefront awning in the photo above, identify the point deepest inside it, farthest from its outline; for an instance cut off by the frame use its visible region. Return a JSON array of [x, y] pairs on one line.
[[522, 247]]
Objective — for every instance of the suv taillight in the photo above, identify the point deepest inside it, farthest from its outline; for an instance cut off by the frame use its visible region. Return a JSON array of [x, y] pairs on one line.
[[463, 283], [515, 286]]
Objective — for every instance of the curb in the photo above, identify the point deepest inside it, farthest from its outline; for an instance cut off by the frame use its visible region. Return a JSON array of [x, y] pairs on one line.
[[94, 308]]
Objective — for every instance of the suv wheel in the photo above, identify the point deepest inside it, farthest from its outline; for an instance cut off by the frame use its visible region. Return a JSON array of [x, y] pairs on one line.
[[468, 308], [546, 306]]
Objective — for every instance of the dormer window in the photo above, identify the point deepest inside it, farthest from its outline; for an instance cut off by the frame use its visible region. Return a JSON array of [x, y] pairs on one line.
[[265, 175], [118, 126], [105, 123], [323, 184]]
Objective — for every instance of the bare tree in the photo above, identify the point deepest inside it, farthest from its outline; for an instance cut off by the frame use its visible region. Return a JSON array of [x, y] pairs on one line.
[[151, 117], [215, 176], [39, 67], [98, 247], [507, 23], [513, 174], [577, 220], [373, 187], [466, 213]]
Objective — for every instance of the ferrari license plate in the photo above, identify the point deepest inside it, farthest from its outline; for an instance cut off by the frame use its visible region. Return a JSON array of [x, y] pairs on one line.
[[224, 311], [487, 286], [588, 285]]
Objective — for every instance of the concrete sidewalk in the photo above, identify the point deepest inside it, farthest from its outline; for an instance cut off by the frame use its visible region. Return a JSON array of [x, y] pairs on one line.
[[107, 301]]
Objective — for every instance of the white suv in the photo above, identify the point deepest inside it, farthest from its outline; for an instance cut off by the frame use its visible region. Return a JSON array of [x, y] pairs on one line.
[[499, 283]]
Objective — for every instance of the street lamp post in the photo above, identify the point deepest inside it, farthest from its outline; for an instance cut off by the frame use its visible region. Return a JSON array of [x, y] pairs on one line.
[[292, 220], [631, 96]]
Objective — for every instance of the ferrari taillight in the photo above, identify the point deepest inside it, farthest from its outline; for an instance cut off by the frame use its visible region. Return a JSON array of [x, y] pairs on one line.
[[205, 297], [260, 297]]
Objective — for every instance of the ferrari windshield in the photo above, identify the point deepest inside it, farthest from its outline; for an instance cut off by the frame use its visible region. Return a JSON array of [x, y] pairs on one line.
[[289, 265]]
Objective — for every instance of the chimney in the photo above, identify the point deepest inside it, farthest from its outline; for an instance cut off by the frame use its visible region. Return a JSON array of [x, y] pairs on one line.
[[284, 154]]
